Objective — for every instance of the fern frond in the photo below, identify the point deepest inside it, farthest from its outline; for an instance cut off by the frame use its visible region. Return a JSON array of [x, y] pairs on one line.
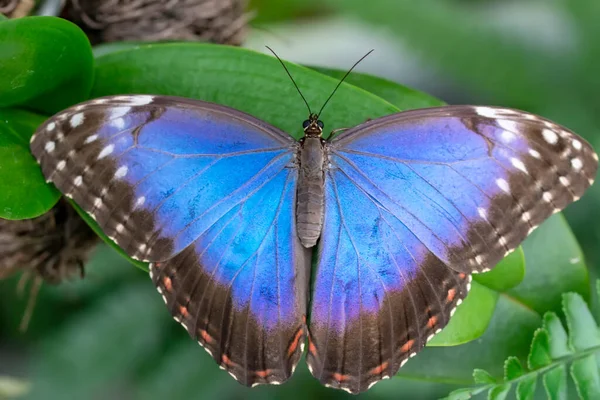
[[553, 351]]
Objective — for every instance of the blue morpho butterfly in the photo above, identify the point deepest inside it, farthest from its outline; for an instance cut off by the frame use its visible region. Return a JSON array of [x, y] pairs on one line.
[[228, 209]]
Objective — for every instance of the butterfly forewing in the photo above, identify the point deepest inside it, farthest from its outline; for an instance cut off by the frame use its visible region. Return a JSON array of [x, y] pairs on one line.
[[205, 193], [414, 203]]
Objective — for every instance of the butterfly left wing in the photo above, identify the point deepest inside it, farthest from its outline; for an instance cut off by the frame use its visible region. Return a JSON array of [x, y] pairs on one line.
[[414, 203], [206, 194]]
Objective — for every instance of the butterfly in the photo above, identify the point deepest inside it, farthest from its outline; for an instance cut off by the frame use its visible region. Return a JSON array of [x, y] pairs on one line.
[[398, 213]]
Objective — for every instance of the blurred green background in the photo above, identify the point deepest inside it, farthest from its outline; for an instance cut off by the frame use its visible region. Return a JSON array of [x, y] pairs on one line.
[[109, 336]]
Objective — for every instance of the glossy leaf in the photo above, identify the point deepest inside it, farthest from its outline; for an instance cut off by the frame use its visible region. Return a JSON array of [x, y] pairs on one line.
[[475, 312], [555, 265], [555, 383], [401, 96], [25, 193], [507, 274], [45, 63]]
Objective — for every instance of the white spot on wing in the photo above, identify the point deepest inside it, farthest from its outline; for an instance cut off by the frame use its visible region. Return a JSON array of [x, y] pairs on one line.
[[121, 172], [486, 112], [50, 127], [576, 164], [503, 185], [76, 120], [78, 180], [140, 100], [120, 228], [534, 153], [90, 139], [508, 136], [118, 123], [106, 151], [508, 125], [61, 165], [518, 164], [118, 112], [482, 212], [140, 201], [50, 146], [550, 136], [564, 180], [576, 144], [547, 196]]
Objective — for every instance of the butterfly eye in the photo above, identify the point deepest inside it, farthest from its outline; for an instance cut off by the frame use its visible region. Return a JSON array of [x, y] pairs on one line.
[[305, 124], [321, 125]]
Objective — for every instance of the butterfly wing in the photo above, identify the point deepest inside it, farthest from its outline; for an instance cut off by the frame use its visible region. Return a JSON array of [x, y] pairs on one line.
[[414, 203], [206, 194]]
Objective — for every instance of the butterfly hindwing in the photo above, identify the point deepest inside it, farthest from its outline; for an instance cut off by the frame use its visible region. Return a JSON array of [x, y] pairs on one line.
[[206, 194], [414, 203]]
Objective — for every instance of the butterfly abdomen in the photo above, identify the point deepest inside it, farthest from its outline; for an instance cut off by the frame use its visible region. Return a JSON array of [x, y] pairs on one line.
[[309, 201]]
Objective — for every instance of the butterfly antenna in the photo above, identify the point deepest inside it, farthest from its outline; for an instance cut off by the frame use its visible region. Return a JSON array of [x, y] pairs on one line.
[[342, 80], [293, 81]]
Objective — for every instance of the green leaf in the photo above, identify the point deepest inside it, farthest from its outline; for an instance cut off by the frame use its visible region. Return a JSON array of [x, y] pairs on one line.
[[45, 63], [583, 330], [555, 383], [388, 90], [107, 342], [513, 368], [483, 377], [499, 392], [475, 312], [526, 387], [507, 274], [539, 356], [555, 265], [239, 78], [587, 377], [559, 340], [25, 193]]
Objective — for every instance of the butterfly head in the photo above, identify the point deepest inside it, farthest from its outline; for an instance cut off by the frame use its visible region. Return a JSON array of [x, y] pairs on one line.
[[313, 126]]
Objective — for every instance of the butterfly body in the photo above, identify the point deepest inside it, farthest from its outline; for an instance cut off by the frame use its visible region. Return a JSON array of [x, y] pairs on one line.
[[313, 159], [228, 210]]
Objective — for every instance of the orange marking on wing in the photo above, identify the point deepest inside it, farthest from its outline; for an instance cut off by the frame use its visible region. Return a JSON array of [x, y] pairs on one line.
[[339, 377], [311, 347], [205, 336], [263, 374], [227, 361], [380, 369], [158, 264], [294, 344], [462, 275], [406, 347], [168, 284], [184, 312], [451, 294], [432, 321]]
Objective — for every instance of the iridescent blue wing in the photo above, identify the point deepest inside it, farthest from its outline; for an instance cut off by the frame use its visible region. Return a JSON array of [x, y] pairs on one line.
[[414, 203], [206, 194]]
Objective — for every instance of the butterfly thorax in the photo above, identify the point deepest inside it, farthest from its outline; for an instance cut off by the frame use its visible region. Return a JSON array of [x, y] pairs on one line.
[[309, 199]]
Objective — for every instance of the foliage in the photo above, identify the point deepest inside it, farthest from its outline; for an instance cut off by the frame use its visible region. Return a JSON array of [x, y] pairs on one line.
[[111, 332], [552, 354]]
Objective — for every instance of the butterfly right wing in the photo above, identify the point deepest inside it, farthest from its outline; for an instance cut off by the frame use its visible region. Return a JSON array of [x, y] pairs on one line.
[[206, 194]]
